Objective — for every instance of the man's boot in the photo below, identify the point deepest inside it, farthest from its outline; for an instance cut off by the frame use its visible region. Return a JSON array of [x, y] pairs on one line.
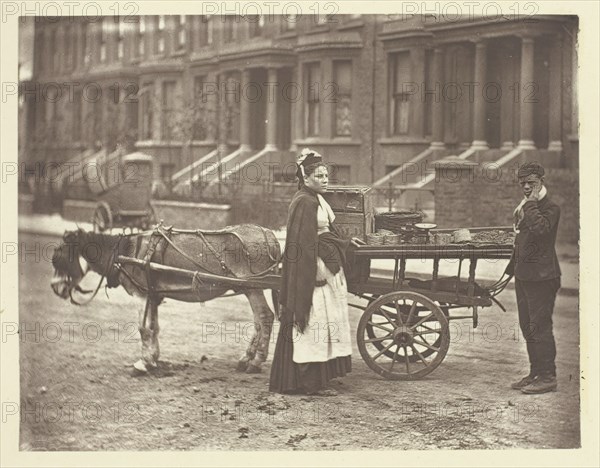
[[543, 384], [528, 379]]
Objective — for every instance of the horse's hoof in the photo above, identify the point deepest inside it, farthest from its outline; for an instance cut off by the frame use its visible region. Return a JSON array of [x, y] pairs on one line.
[[140, 366], [242, 366], [252, 369]]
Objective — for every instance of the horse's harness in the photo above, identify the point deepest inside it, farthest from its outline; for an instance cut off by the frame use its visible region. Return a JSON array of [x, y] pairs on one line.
[[160, 238], [110, 263]]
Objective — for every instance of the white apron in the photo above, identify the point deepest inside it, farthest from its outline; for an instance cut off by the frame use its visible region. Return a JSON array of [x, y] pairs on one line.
[[327, 334]]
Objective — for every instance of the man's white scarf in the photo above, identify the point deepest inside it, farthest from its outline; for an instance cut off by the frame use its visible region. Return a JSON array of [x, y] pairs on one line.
[[518, 213]]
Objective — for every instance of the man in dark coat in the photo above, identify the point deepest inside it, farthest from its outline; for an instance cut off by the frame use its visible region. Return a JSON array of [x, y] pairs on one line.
[[537, 277]]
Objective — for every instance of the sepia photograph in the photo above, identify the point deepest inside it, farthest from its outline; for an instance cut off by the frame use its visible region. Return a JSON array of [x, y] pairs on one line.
[[297, 226]]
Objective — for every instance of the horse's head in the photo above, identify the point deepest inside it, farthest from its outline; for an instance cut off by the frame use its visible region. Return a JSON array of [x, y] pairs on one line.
[[69, 265]]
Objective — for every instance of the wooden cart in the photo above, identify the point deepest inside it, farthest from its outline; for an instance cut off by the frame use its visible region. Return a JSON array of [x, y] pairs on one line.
[[124, 195], [403, 333]]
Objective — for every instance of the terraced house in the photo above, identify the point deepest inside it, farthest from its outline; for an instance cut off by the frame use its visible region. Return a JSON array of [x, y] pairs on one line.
[[216, 97]]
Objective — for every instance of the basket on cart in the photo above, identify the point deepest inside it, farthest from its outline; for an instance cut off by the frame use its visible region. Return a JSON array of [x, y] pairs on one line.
[[399, 222]]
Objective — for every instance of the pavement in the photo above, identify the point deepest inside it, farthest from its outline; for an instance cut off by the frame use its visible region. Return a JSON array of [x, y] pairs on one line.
[[487, 270]]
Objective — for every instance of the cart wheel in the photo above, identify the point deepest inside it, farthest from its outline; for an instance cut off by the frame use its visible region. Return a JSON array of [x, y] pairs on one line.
[[405, 311], [400, 343], [102, 220]]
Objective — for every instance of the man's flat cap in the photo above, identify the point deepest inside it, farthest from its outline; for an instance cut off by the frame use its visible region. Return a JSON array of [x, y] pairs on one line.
[[531, 168]]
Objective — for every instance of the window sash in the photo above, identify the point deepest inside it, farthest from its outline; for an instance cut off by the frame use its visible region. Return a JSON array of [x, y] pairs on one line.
[[76, 129], [312, 105], [199, 130], [289, 22], [400, 99], [147, 111], [168, 108], [312, 118], [401, 110]]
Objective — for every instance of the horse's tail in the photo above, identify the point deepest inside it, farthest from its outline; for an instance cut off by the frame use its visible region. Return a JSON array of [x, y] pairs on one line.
[[275, 298]]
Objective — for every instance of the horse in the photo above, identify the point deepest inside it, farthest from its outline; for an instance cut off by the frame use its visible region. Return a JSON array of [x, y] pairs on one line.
[[240, 253]]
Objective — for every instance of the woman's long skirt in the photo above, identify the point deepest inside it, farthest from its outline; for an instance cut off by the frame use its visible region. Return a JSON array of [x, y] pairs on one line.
[[305, 362]]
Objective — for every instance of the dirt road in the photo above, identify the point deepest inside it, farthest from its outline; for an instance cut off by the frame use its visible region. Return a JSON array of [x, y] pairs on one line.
[[78, 391]]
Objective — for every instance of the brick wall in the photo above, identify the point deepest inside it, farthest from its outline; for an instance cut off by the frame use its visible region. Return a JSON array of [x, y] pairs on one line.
[[488, 198]]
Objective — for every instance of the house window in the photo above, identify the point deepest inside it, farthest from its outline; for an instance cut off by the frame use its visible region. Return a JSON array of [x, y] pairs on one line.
[[147, 105], [200, 117], [120, 40], [429, 93], [39, 51], [288, 22], [168, 110], [85, 46], [76, 115], [53, 50], [205, 30], [52, 114], [312, 104], [232, 113], [141, 40], [210, 26], [230, 28], [103, 37], [400, 104], [98, 116], [181, 32], [159, 47], [40, 118], [343, 98], [256, 25], [69, 47]]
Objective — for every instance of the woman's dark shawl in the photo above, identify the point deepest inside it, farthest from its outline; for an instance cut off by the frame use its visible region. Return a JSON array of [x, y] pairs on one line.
[[299, 272], [302, 246]]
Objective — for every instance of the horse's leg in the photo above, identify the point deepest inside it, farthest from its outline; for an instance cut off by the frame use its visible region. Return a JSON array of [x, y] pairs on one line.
[[250, 352], [148, 319], [154, 348], [263, 322]]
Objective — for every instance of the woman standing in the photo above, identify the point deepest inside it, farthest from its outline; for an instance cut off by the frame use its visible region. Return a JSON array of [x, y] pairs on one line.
[[314, 344]]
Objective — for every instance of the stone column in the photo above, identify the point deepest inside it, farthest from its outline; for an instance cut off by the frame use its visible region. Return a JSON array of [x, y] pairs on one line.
[[479, 116], [555, 110], [271, 110], [245, 112], [526, 141], [437, 108], [507, 105]]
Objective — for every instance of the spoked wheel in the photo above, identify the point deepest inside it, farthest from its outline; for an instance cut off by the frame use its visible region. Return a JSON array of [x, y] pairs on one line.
[[102, 220], [404, 310], [403, 336]]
